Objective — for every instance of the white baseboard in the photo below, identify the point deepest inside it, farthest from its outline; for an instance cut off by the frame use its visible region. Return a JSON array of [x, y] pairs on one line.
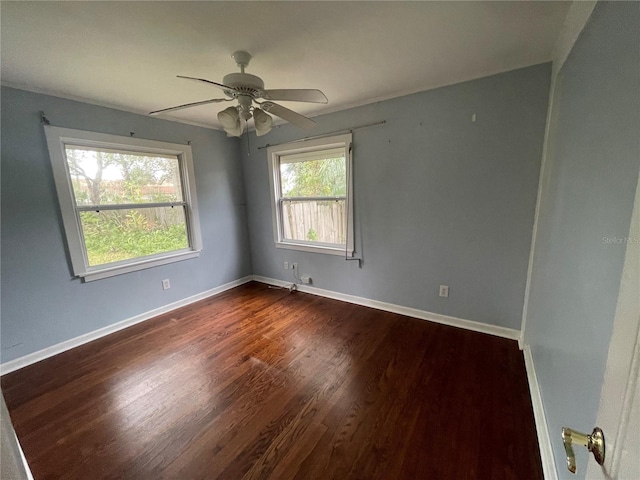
[[23, 459], [504, 332], [544, 440], [34, 357]]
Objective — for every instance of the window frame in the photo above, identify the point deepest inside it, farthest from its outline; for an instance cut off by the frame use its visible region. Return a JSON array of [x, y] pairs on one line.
[[57, 140], [274, 153]]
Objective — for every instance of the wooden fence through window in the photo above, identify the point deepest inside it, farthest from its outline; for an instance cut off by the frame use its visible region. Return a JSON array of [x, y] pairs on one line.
[[321, 221]]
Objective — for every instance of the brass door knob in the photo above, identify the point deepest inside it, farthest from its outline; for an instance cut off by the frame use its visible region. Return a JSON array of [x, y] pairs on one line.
[[594, 443]]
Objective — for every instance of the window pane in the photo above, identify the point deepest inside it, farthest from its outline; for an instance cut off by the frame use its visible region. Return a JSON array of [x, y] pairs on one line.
[[115, 235], [107, 177], [315, 220], [314, 178]]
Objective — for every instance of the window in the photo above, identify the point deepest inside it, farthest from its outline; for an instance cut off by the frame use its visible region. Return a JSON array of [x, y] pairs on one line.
[[126, 203], [311, 195]]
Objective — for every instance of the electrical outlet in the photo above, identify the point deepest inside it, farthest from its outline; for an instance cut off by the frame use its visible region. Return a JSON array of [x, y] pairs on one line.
[[306, 279], [286, 265], [294, 266], [166, 284], [444, 291]]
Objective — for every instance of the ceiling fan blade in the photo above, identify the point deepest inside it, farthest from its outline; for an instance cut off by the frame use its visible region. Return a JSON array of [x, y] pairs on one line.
[[288, 115], [187, 105], [296, 95], [224, 87]]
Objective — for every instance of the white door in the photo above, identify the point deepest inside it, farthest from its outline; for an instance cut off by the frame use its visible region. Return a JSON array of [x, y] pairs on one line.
[[619, 412]]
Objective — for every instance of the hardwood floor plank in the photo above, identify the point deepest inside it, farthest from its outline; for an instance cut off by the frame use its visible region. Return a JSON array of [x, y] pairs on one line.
[[275, 411], [257, 383]]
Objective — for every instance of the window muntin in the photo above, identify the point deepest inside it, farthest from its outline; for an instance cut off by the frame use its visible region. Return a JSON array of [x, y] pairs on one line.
[[126, 203], [311, 195]]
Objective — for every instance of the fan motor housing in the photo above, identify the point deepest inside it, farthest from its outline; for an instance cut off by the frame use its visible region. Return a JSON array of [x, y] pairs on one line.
[[244, 83]]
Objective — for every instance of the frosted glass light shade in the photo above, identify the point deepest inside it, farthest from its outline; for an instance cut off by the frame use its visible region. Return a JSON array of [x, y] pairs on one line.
[[229, 117], [262, 121]]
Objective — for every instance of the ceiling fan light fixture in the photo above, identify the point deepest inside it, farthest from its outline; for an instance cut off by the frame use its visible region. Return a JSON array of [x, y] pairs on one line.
[[236, 131], [247, 89], [229, 118], [262, 122]]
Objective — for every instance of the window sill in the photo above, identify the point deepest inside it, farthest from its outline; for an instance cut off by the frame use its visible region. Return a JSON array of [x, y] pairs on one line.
[[105, 272], [314, 249]]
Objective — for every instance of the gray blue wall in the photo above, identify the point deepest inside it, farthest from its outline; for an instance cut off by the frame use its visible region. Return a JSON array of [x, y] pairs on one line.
[[438, 199], [593, 168], [42, 303]]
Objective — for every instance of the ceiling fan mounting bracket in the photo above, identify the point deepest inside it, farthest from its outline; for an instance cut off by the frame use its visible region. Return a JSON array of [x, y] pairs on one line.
[[241, 58]]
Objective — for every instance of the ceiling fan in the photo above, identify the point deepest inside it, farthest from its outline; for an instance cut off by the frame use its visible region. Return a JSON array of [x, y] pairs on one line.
[[247, 89]]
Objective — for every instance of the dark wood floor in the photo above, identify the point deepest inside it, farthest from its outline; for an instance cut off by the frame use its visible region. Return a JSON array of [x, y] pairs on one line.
[[260, 383]]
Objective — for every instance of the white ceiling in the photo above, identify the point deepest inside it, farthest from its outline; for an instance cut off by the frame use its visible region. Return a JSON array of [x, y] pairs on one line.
[[127, 54]]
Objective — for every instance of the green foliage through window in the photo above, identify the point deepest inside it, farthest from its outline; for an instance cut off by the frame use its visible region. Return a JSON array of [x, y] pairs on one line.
[[308, 214], [115, 235], [314, 178], [106, 177], [312, 235]]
